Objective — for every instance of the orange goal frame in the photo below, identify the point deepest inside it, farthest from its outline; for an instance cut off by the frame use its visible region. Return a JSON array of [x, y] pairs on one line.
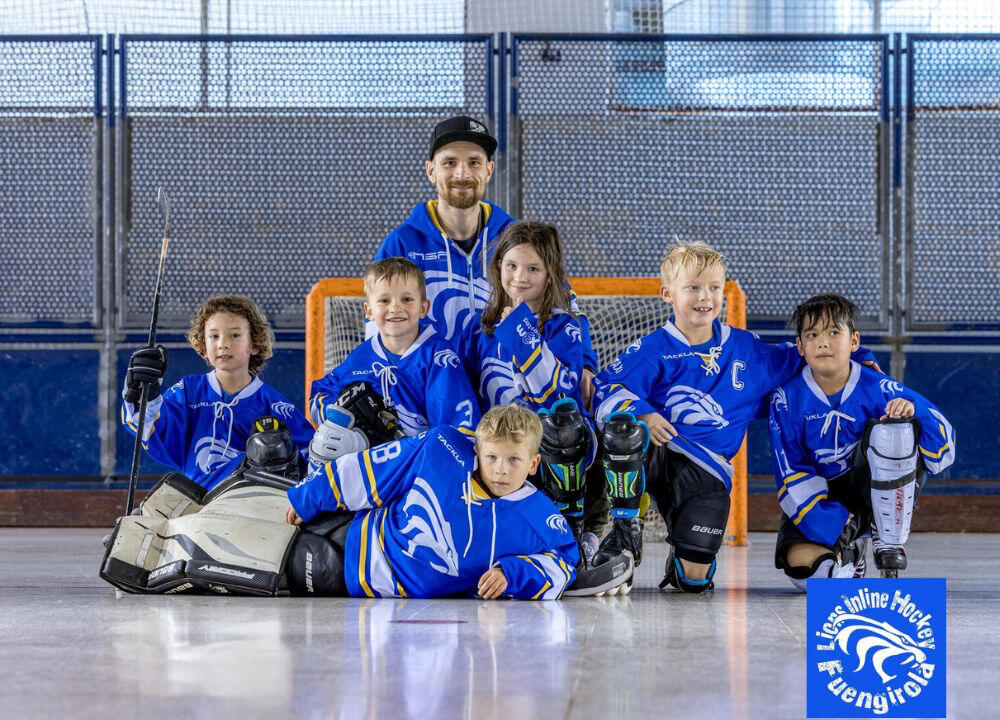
[[736, 316]]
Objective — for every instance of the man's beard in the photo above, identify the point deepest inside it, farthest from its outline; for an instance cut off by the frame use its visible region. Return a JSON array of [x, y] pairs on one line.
[[459, 200]]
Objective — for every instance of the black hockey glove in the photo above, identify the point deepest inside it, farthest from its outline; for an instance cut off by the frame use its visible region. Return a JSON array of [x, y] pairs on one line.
[[145, 367]]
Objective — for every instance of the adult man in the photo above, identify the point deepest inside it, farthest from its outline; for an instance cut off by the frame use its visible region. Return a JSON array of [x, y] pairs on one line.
[[452, 237]]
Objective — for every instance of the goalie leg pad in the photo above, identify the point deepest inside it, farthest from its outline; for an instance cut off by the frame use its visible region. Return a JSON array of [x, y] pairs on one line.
[[625, 441], [237, 543], [890, 448], [174, 495], [568, 448], [316, 565]]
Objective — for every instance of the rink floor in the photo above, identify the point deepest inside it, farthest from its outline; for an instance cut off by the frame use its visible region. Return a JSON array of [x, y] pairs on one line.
[[71, 649]]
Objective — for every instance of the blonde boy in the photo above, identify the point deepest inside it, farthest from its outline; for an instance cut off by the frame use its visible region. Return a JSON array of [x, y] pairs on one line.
[[435, 515], [689, 389], [400, 382], [201, 424]]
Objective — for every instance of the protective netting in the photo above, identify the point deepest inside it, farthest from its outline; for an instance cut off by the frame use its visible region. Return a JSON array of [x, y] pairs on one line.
[[769, 151], [287, 161], [616, 321], [954, 202], [455, 16], [49, 158]]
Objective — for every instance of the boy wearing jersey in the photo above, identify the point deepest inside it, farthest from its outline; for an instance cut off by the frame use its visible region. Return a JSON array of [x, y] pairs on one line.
[[690, 389], [850, 448], [413, 371], [439, 514], [201, 424]]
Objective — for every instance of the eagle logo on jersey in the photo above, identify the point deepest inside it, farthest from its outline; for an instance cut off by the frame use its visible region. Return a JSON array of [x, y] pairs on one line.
[[449, 295], [410, 422], [210, 452], [709, 360], [425, 520], [878, 639], [693, 407], [557, 523], [445, 358], [283, 409], [890, 386], [634, 347], [497, 384], [838, 455], [779, 399], [574, 333]]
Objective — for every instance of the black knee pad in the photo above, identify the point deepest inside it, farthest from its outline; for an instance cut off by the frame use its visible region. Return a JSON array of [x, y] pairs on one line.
[[698, 525], [566, 442], [315, 566], [675, 577], [804, 572], [624, 443]]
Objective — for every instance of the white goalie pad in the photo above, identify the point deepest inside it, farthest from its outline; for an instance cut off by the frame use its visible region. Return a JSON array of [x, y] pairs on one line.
[[236, 543], [892, 458]]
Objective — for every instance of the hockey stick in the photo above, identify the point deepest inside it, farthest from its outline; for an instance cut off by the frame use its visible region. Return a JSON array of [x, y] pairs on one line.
[[163, 200]]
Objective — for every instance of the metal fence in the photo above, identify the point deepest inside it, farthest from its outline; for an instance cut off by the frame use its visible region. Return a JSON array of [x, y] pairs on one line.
[[50, 147], [953, 197], [289, 158], [772, 149]]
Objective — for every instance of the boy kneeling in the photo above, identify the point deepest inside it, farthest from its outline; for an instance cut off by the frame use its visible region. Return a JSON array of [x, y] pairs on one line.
[[850, 449], [434, 515]]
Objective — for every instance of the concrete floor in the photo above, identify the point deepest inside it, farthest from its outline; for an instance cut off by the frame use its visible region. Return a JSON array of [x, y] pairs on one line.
[[71, 649]]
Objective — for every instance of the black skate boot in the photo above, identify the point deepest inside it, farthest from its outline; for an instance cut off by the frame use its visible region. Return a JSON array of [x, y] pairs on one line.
[[890, 559], [624, 541], [852, 547]]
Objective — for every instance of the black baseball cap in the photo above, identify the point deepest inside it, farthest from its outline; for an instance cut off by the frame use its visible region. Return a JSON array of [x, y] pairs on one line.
[[462, 127]]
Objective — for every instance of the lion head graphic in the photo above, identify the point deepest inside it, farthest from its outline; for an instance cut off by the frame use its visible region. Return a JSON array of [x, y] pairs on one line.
[[878, 641]]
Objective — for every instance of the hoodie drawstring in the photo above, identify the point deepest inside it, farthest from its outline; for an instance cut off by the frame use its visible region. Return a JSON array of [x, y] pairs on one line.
[[709, 360], [469, 500], [219, 408], [387, 375], [835, 414], [447, 255], [493, 540]]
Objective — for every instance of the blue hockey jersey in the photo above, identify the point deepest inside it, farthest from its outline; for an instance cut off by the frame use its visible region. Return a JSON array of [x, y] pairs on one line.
[[426, 386], [195, 429], [426, 527], [813, 440], [709, 392], [457, 284], [520, 364]]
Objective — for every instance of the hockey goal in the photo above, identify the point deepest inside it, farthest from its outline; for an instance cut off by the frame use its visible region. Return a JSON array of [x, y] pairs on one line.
[[619, 309]]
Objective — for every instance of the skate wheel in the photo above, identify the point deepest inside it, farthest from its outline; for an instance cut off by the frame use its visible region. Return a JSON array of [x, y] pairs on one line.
[[891, 573], [626, 588]]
